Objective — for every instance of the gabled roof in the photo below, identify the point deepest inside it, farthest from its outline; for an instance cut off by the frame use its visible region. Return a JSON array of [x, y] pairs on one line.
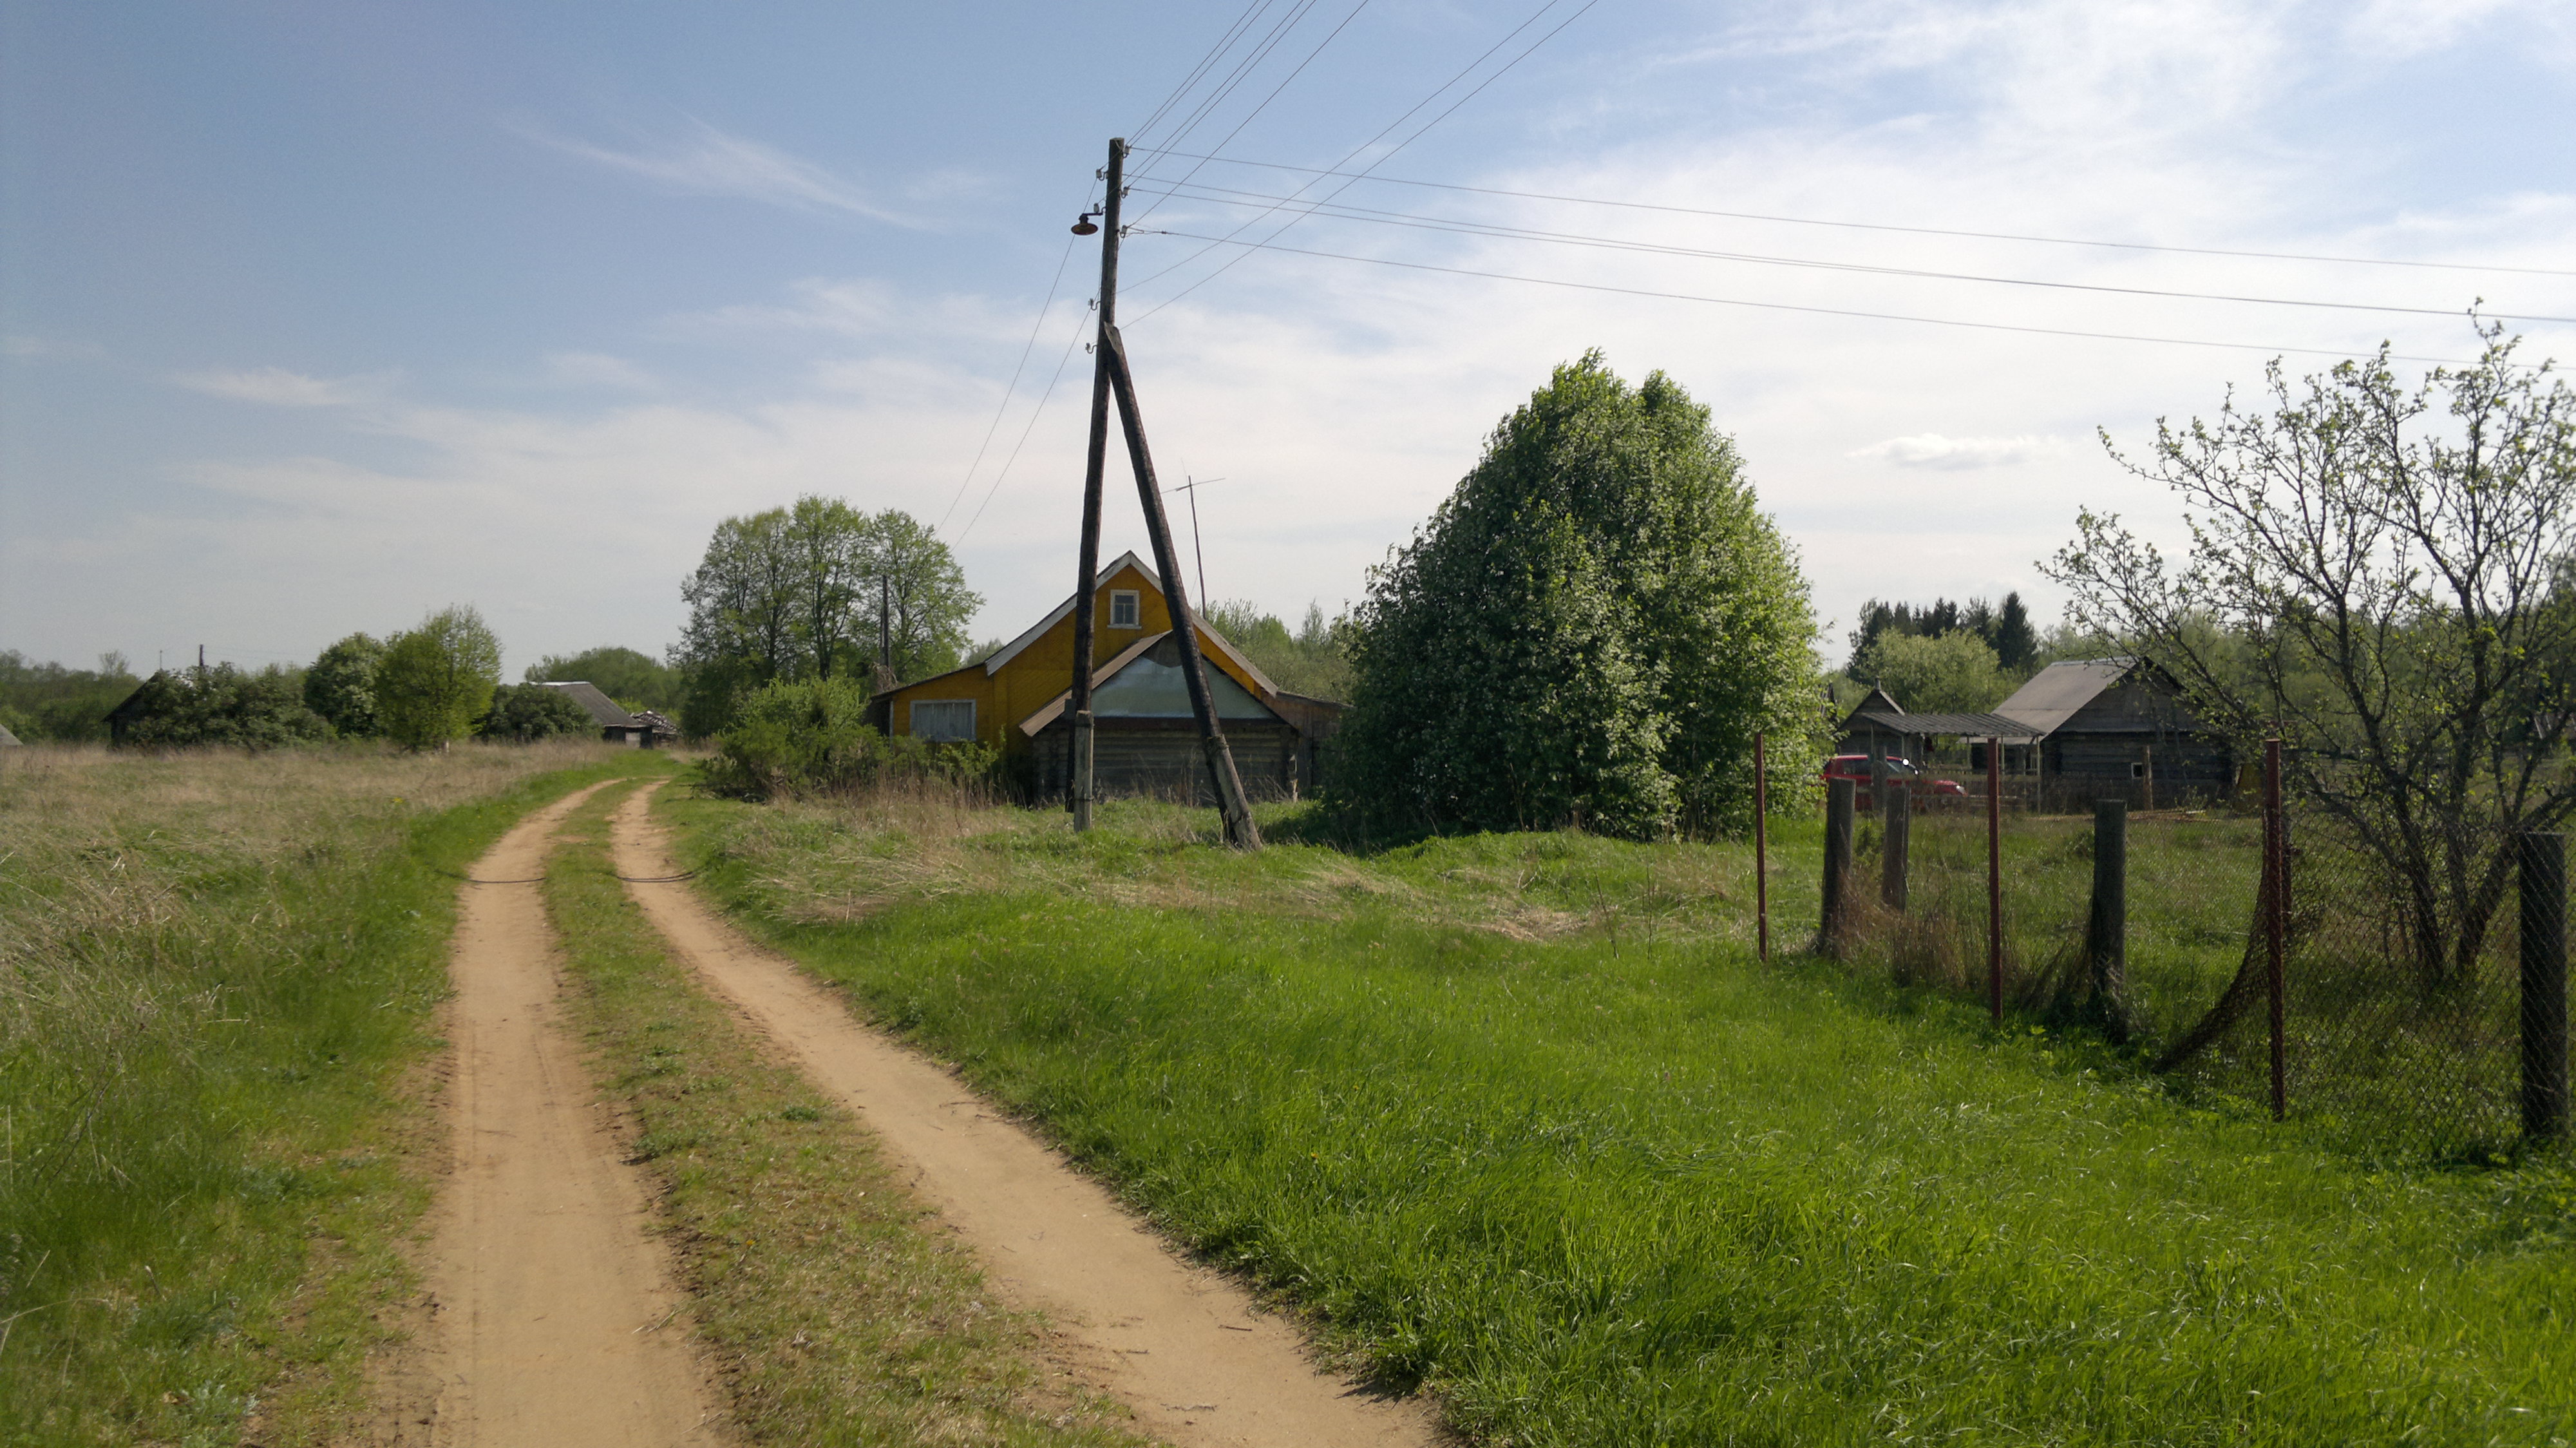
[[1054, 708], [603, 709], [1154, 581], [1974, 726], [7, 739], [2055, 693]]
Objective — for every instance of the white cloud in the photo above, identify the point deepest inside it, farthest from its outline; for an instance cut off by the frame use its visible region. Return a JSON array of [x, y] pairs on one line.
[[1932, 450], [277, 387], [598, 369], [22, 344], [710, 162]]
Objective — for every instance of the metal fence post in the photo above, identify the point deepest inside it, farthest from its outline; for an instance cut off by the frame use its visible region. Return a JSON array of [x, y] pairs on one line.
[[2106, 932], [1761, 857], [2276, 920], [1995, 879], [1835, 918], [1896, 832], [2541, 886]]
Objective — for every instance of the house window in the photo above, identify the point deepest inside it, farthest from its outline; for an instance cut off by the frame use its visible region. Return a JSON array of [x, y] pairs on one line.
[[2137, 769], [942, 721], [1124, 611]]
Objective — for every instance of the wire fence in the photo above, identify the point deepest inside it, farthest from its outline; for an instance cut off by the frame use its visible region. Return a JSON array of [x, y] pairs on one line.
[[2417, 1019]]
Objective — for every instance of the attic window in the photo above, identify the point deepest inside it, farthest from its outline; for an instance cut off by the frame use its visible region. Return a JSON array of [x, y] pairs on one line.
[[940, 721], [1124, 611]]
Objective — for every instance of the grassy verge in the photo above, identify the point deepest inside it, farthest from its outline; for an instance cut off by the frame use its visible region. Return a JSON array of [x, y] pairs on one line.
[[217, 972], [834, 1316], [1517, 1117]]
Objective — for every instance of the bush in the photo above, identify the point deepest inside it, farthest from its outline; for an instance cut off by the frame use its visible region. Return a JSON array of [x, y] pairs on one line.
[[812, 737], [525, 713], [219, 704], [341, 686], [436, 680]]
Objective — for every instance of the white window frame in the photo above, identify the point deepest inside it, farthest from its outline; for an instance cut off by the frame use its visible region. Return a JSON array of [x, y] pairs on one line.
[[914, 721], [1131, 603]]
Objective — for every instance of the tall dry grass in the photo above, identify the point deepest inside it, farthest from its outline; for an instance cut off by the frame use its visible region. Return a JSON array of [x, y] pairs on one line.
[[213, 967]]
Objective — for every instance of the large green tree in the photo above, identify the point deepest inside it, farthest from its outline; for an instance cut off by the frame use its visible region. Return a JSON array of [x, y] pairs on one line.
[[632, 678], [2381, 573], [341, 686], [1590, 630], [816, 591], [1954, 673], [219, 704], [438, 679]]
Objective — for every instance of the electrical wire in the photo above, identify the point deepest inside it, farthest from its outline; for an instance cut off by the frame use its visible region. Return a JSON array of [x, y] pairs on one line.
[[1013, 388], [1243, 69], [1275, 90], [1034, 415], [1795, 307], [1605, 243], [1224, 43], [1370, 175], [1390, 154]]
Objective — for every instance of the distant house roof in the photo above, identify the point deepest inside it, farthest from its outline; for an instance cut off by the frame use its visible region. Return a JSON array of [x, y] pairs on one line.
[[603, 709], [2055, 693], [1128, 559], [1981, 726], [7, 739]]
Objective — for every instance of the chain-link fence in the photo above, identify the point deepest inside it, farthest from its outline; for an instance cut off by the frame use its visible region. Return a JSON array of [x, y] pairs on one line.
[[2401, 1017]]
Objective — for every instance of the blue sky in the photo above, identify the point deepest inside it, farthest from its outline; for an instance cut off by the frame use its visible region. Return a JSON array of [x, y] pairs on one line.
[[315, 317]]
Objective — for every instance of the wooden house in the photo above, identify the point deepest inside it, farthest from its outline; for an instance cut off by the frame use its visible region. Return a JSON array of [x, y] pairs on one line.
[[1144, 738], [616, 725], [2118, 728]]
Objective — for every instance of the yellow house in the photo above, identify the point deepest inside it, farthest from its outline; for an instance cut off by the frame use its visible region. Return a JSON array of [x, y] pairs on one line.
[[1144, 737]]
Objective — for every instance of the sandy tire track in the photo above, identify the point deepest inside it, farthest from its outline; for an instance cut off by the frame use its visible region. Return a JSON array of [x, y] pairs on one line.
[[554, 1318], [1181, 1345]]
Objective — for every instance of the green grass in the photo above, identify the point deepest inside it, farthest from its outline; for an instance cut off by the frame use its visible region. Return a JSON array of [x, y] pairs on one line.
[[218, 978], [1517, 1118], [832, 1312]]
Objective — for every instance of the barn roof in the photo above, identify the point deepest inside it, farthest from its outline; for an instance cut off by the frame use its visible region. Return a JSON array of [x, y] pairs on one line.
[[1981, 726], [1054, 708], [1154, 581], [603, 709], [2055, 693]]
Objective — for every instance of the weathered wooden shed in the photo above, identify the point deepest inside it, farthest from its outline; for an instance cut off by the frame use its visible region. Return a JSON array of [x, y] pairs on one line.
[[2118, 728], [1145, 739]]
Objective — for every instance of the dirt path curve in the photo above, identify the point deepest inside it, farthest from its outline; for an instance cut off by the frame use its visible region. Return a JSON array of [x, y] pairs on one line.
[[1181, 1345], [552, 1301]]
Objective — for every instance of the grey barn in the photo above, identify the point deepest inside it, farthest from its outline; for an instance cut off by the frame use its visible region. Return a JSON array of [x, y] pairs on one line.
[[2118, 729]]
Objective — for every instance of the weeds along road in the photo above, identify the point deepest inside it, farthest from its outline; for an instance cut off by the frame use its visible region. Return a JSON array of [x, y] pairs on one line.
[[552, 1301], [1182, 1346]]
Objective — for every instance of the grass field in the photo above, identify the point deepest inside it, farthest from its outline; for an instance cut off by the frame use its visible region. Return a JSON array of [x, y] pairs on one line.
[[217, 971], [1518, 1118], [833, 1314]]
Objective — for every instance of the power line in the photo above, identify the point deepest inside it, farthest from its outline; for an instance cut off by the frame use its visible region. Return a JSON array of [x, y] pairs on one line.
[[1224, 43], [1418, 134], [1243, 68], [1032, 426], [1275, 90], [1795, 307], [1605, 243], [1357, 176], [1009, 391]]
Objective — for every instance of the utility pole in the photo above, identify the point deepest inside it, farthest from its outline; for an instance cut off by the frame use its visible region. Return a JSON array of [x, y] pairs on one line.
[[1078, 789], [1198, 550], [1240, 830], [885, 624]]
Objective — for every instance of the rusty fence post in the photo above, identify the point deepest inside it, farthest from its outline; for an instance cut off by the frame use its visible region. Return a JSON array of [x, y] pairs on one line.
[[1995, 879], [2276, 921], [1834, 919], [1761, 857], [1896, 834], [2541, 884]]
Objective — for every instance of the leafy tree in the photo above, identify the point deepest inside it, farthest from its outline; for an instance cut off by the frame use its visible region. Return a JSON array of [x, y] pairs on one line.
[[1314, 660], [219, 704], [341, 686], [52, 701], [812, 591], [2006, 630], [811, 736], [635, 680], [1952, 674], [438, 679], [2382, 574], [1589, 631], [525, 713]]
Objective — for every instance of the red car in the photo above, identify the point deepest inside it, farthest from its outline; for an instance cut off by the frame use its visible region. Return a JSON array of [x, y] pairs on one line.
[[1901, 772]]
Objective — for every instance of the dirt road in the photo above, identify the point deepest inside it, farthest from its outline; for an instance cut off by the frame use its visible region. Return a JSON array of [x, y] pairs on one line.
[[1181, 1345], [554, 1313]]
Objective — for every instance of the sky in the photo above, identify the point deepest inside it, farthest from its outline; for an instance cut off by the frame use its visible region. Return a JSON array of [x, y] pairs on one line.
[[317, 317]]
